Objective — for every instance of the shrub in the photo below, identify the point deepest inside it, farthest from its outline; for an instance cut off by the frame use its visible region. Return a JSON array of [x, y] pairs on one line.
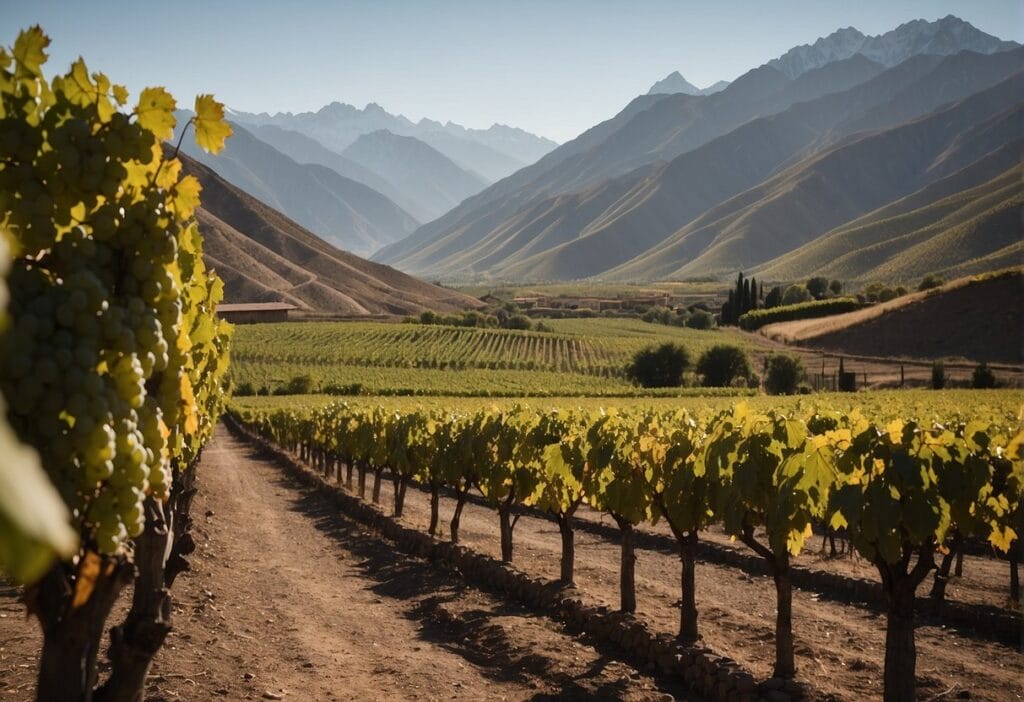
[[755, 319], [795, 294], [700, 320], [835, 287], [938, 375], [774, 297], [518, 321], [817, 287], [930, 281], [783, 374], [299, 385], [659, 367], [245, 390], [983, 377], [721, 364]]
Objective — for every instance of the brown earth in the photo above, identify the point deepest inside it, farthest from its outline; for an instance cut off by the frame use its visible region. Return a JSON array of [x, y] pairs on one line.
[[981, 320], [289, 600]]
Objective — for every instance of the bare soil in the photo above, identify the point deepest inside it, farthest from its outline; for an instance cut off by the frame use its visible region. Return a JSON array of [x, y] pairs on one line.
[[289, 600], [840, 647]]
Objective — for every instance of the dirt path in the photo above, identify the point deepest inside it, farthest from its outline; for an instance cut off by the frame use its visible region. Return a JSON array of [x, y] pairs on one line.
[[288, 600]]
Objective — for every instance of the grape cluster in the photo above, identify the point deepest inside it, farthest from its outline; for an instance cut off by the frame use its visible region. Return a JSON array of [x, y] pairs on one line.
[[97, 354]]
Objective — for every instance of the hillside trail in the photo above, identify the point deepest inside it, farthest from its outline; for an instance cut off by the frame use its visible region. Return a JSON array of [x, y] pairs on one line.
[[288, 600]]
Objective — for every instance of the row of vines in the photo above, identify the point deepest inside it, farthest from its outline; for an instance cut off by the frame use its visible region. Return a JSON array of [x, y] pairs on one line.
[[112, 362], [902, 489]]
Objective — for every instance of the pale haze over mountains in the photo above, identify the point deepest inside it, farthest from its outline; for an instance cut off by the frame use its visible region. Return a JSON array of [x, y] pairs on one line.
[[859, 157], [684, 185]]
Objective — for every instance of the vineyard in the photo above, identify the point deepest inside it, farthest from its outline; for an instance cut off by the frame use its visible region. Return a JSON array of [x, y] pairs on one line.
[[897, 489], [112, 363], [580, 357]]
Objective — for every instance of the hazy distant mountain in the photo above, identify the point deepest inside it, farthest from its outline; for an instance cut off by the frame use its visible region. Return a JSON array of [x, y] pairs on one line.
[[263, 256], [948, 35], [304, 149], [424, 175], [675, 83], [588, 232], [343, 211], [494, 152], [651, 129], [980, 136]]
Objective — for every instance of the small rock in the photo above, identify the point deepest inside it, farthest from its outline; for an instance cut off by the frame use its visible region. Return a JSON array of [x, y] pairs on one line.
[[209, 513], [268, 695], [248, 676]]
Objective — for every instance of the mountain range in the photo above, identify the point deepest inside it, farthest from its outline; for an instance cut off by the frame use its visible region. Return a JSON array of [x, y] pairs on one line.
[[340, 210], [693, 185], [493, 153], [263, 256], [675, 83], [948, 35]]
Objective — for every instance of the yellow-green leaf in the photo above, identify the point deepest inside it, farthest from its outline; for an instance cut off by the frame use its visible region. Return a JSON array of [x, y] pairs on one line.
[[186, 196], [155, 112], [211, 127], [29, 51]]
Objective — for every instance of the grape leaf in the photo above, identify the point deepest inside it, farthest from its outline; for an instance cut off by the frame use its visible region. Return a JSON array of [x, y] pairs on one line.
[[186, 196], [155, 112], [29, 51], [211, 127], [34, 523]]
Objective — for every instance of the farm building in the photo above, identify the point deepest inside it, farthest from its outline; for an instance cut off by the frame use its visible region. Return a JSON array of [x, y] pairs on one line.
[[249, 312]]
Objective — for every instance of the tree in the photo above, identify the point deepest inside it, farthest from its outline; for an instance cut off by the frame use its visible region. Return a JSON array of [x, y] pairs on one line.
[[782, 374], [835, 287], [938, 375], [700, 320], [817, 287], [983, 378], [930, 281], [774, 297], [721, 364], [659, 367], [795, 294]]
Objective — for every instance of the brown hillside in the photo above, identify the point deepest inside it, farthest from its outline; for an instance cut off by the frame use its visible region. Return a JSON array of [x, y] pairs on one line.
[[265, 257], [981, 319]]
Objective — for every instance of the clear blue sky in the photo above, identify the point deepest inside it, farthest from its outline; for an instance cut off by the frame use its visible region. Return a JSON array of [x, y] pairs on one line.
[[552, 67]]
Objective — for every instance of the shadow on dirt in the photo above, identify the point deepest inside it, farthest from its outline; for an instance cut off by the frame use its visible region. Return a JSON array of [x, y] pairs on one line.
[[431, 597]]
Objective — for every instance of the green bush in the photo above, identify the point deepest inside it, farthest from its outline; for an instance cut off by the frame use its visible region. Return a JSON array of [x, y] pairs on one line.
[[756, 319], [659, 367], [930, 281], [722, 364], [983, 377], [700, 320], [783, 374], [796, 294]]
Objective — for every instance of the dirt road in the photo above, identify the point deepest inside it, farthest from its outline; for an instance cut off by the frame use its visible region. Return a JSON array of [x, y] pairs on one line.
[[288, 600]]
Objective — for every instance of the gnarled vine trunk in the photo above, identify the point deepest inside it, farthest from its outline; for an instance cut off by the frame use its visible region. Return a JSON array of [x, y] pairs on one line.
[[435, 504], [72, 634], [460, 502], [568, 562], [159, 557], [900, 584], [627, 565]]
